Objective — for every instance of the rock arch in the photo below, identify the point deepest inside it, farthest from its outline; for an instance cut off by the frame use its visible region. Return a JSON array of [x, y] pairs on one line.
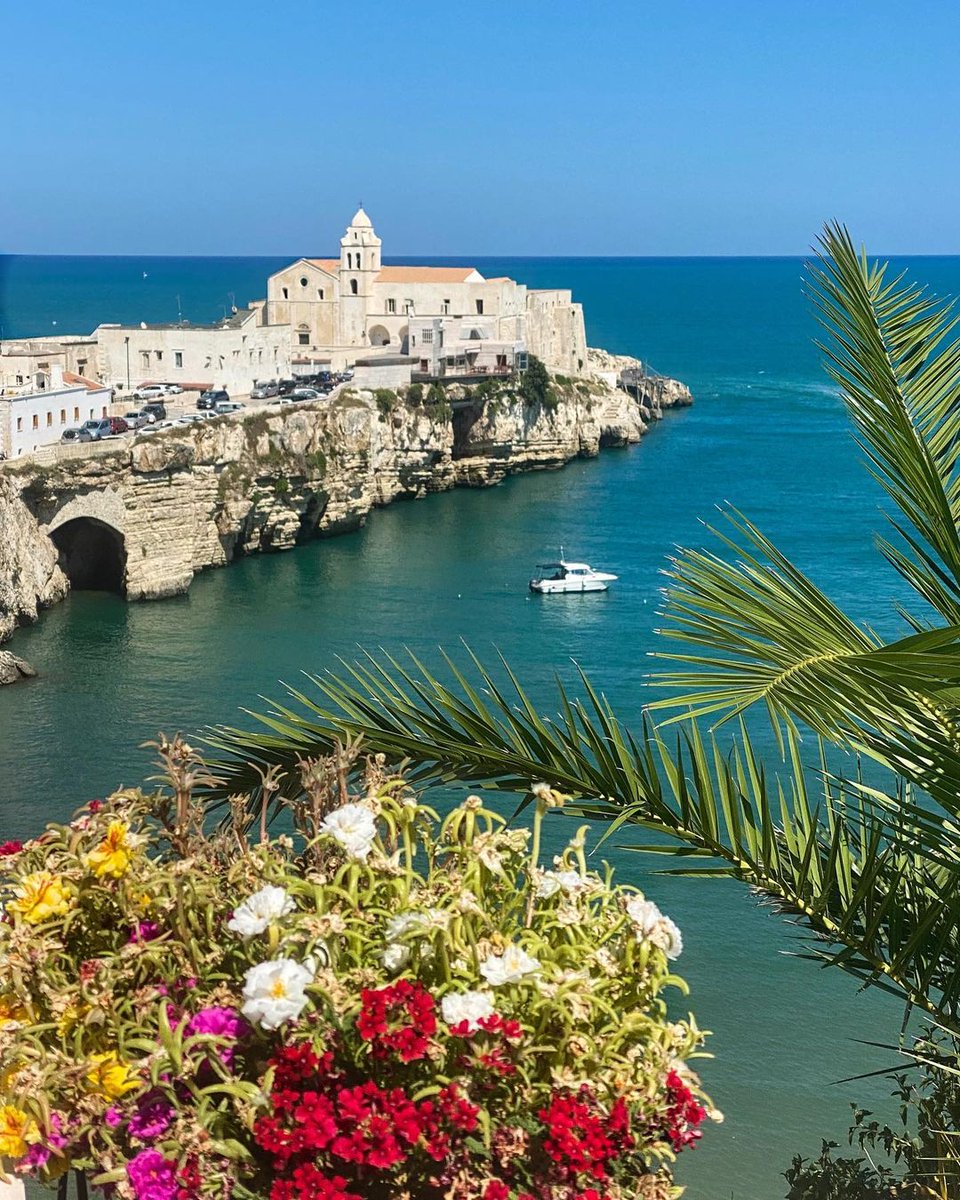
[[92, 555], [89, 534]]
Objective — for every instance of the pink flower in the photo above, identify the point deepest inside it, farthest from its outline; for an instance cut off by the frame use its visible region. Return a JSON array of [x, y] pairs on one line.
[[225, 1024], [144, 931], [113, 1117], [152, 1119], [152, 1176], [39, 1153]]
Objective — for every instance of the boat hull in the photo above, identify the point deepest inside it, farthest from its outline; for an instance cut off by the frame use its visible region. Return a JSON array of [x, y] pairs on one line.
[[554, 587]]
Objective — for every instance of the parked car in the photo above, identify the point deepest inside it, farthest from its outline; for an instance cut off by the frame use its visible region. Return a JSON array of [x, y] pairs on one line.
[[118, 425], [227, 406], [155, 411], [135, 419], [99, 427], [212, 397], [304, 393], [72, 435], [263, 391], [173, 389], [286, 386], [149, 391]]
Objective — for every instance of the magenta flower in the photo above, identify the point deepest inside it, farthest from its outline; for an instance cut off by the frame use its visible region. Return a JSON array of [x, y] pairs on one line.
[[152, 1119], [223, 1023], [144, 931], [39, 1153], [152, 1176], [113, 1117]]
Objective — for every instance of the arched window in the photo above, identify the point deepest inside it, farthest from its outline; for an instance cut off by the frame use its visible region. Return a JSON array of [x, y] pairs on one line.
[[359, 263], [353, 287], [349, 260]]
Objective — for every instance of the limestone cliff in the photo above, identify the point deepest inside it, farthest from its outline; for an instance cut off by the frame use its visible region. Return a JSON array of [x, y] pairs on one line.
[[179, 501]]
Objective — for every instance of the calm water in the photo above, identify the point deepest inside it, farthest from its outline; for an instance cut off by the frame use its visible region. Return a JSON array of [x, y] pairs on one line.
[[767, 434]]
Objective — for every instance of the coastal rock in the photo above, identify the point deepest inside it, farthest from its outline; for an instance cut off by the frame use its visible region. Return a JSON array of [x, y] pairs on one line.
[[173, 503], [13, 669]]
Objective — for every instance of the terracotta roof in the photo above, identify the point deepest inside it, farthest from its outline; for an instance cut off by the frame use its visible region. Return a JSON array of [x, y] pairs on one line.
[[331, 265], [82, 381], [428, 275]]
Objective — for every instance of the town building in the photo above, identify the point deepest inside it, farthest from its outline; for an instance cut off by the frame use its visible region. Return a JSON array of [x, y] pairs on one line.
[[31, 419], [424, 322], [446, 319]]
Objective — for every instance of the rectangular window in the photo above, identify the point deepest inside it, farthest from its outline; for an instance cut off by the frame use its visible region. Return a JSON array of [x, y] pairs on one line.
[[286, 293], [479, 308], [19, 379], [63, 416], [159, 354], [36, 421], [391, 306], [319, 293], [303, 339], [427, 336], [445, 306], [408, 307], [178, 358], [76, 414], [145, 359], [440, 338], [104, 413], [49, 420], [19, 424]]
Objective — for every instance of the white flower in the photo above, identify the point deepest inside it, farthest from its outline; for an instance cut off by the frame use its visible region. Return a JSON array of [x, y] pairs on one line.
[[257, 912], [509, 967], [354, 827], [395, 956], [551, 882], [653, 926], [471, 1007], [273, 992], [670, 939]]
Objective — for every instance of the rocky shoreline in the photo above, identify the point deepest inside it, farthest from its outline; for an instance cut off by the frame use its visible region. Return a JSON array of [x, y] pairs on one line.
[[187, 499]]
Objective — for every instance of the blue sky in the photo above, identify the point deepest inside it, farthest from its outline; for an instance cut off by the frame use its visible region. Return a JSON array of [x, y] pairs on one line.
[[537, 127]]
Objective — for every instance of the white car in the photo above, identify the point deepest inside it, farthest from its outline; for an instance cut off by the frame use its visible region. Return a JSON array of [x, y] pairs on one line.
[[149, 391], [173, 389]]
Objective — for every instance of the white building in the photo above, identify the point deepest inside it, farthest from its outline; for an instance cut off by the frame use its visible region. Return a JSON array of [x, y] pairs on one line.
[[233, 354], [32, 419], [334, 305]]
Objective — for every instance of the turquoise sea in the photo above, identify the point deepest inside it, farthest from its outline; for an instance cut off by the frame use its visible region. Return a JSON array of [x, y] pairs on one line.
[[767, 434]]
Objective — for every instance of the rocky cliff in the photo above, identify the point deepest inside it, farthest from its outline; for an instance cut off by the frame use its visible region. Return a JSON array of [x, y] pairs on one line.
[[179, 501]]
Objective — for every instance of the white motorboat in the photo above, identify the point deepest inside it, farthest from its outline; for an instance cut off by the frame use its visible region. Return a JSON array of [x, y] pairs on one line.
[[569, 577]]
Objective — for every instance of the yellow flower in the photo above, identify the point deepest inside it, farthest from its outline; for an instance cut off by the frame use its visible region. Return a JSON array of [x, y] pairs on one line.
[[112, 856], [70, 1018], [11, 1010], [40, 896], [110, 1077], [17, 1132]]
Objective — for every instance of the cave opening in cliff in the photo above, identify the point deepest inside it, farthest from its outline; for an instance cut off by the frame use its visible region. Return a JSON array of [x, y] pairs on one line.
[[92, 555]]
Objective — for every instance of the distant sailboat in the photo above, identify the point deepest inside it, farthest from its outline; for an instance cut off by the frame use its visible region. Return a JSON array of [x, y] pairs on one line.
[[144, 274]]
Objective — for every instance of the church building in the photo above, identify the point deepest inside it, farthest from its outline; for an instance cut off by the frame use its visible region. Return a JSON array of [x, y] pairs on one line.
[[447, 320]]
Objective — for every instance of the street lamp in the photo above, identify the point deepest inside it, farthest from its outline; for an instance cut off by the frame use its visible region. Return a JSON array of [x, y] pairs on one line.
[[126, 342]]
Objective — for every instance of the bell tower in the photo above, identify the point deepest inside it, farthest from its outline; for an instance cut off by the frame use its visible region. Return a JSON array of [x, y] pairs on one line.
[[359, 267]]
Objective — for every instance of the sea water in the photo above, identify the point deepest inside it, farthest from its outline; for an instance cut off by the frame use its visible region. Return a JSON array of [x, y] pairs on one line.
[[767, 434]]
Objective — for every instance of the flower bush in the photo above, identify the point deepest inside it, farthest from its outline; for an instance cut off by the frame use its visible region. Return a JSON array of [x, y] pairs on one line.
[[384, 1004]]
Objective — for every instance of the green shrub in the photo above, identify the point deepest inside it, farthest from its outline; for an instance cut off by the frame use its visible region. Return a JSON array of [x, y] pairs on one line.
[[415, 395], [317, 462], [386, 400], [282, 486], [535, 383], [436, 395]]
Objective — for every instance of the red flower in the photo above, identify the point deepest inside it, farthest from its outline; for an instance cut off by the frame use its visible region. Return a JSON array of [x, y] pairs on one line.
[[684, 1114], [188, 1177], [377, 1127], [579, 1138], [11, 847], [309, 1183], [496, 1189], [94, 806], [399, 1019]]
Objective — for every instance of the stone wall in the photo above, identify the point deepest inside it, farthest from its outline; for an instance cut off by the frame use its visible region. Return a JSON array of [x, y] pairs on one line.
[[188, 499]]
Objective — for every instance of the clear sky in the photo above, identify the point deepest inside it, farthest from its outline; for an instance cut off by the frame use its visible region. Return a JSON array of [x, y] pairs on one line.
[[479, 127]]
